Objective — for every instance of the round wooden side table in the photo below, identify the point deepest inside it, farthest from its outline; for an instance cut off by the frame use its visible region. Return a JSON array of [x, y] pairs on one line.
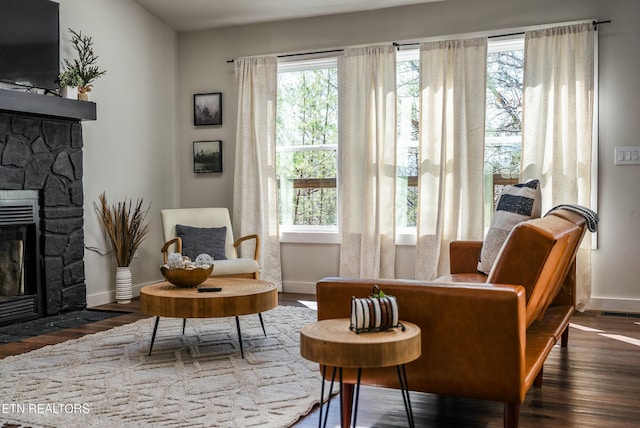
[[331, 343]]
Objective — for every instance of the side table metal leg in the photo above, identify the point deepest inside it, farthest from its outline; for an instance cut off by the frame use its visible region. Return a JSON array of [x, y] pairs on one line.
[[324, 372], [355, 410], [239, 336], [341, 404], [184, 325], [404, 387], [262, 324], [326, 414], [153, 336]]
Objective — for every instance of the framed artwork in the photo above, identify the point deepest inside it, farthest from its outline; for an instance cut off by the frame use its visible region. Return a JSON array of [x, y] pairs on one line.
[[207, 109], [207, 156]]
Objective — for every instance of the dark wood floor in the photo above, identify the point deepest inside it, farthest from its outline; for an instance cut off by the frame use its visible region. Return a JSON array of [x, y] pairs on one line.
[[593, 383]]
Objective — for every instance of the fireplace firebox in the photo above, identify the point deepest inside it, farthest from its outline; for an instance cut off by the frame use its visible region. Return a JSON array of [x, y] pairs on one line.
[[21, 290]]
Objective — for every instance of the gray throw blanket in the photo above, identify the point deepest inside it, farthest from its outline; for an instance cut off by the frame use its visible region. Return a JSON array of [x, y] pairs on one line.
[[589, 215]]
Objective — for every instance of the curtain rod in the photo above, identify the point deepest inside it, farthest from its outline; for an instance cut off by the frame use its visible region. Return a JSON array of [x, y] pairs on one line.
[[594, 23], [595, 27], [301, 54], [398, 45]]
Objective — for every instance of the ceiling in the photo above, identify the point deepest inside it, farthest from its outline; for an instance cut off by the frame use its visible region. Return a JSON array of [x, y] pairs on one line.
[[195, 15]]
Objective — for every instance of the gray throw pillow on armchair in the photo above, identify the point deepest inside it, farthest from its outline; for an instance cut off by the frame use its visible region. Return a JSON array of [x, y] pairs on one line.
[[202, 240], [517, 203]]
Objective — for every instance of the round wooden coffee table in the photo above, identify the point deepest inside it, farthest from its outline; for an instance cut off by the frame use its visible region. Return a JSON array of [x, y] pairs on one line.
[[237, 296], [331, 343]]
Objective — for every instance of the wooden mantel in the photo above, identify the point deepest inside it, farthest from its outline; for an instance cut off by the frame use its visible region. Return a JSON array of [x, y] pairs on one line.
[[46, 105]]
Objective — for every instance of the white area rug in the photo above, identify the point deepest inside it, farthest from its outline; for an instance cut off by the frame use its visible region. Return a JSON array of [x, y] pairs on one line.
[[196, 380]]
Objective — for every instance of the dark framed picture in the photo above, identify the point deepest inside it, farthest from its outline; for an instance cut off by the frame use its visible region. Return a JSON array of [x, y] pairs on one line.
[[207, 156], [207, 109]]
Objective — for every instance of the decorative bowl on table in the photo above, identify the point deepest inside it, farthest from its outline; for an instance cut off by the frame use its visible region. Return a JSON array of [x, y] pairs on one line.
[[185, 278]]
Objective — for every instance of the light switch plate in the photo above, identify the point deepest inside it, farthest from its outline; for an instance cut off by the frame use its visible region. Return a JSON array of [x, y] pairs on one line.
[[628, 155]]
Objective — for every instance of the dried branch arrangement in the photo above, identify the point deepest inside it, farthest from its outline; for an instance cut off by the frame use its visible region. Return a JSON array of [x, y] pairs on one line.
[[125, 226]]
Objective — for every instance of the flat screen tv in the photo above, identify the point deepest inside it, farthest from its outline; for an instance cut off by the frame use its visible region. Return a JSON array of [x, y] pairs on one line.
[[29, 43]]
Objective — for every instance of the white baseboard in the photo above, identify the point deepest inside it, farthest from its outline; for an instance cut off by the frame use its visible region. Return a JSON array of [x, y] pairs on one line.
[[627, 306], [299, 287], [104, 297]]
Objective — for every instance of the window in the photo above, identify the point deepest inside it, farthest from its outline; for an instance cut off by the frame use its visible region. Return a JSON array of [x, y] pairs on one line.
[[306, 145], [503, 133], [408, 116], [307, 136], [503, 129]]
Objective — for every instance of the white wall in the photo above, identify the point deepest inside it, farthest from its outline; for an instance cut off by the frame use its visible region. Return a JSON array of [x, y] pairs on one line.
[[617, 262], [129, 151], [203, 67]]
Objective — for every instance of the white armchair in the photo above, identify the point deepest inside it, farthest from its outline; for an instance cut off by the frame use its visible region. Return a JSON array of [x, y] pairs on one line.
[[233, 266]]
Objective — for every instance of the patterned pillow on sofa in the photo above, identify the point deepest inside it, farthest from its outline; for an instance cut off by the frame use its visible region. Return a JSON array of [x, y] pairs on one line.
[[517, 203]]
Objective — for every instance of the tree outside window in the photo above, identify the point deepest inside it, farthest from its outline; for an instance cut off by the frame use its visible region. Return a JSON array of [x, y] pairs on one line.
[[306, 145], [307, 135], [503, 129], [408, 114]]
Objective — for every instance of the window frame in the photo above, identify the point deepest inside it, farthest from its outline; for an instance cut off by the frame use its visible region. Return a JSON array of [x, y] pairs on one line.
[[407, 235], [305, 233]]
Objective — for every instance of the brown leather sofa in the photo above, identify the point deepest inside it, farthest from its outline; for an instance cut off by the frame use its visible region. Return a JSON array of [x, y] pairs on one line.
[[483, 337]]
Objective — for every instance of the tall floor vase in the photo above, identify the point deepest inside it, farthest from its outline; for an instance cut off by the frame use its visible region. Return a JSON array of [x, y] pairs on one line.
[[124, 284]]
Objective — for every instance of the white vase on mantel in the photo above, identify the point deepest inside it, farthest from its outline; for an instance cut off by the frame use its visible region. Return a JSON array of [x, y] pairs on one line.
[[70, 92], [124, 285]]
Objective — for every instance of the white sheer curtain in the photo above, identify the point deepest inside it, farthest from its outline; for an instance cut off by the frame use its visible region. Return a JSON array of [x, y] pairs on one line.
[[367, 138], [255, 207], [558, 124], [451, 154]]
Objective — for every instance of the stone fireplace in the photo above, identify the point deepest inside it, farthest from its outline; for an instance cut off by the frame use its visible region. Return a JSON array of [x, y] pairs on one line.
[[41, 154]]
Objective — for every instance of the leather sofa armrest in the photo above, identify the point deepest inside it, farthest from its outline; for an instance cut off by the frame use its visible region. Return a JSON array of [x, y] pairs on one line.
[[464, 256]]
